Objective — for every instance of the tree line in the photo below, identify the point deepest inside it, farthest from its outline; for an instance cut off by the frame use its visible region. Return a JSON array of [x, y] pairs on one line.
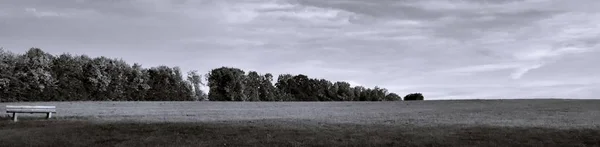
[[39, 76], [232, 84]]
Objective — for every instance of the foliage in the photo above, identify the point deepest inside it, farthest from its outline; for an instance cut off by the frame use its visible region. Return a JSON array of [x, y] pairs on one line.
[[414, 97], [196, 80], [39, 76], [227, 82]]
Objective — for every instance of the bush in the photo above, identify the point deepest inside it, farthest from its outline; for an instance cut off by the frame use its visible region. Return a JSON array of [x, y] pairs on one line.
[[414, 97]]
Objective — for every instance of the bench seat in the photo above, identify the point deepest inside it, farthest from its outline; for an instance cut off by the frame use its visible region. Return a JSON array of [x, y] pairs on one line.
[[30, 109]]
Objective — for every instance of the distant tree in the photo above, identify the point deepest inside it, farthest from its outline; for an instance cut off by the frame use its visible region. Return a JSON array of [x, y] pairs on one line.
[[366, 94], [70, 85], [99, 78], [267, 91], [39, 76], [324, 90], [252, 86], [284, 86], [196, 80], [299, 88], [167, 84], [8, 79], [137, 83], [226, 84], [378, 94], [393, 97], [33, 69], [414, 97], [360, 93], [117, 70]]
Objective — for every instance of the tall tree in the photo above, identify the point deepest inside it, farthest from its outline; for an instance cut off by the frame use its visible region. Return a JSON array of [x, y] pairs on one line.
[[167, 84], [344, 92], [284, 88], [183, 90], [33, 69], [70, 85], [117, 70], [98, 78], [267, 91], [196, 80], [324, 90], [226, 84], [8, 79], [252, 86], [137, 85]]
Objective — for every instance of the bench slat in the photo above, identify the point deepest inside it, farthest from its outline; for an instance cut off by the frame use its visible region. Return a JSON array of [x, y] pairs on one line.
[[30, 110], [30, 107]]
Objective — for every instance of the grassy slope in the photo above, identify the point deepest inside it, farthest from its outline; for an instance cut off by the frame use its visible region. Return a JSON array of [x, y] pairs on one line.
[[80, 133]]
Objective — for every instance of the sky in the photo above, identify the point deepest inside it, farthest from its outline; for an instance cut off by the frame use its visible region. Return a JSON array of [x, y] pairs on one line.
[[445, 49]]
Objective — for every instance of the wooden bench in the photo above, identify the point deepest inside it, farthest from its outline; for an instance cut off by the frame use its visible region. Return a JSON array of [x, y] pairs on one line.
[[30, 109]]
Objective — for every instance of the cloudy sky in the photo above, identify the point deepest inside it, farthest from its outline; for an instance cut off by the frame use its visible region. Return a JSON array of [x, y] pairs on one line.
[[446, 49]]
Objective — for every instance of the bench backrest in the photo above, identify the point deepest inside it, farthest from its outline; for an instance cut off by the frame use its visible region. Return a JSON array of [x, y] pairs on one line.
[[30, 108]]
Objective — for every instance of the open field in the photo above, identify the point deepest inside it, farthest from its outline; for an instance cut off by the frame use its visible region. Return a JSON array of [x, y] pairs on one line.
[[419, 123], [522, 113]]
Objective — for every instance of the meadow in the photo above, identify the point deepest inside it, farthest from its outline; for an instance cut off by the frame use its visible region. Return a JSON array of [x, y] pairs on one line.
[[401, 123]]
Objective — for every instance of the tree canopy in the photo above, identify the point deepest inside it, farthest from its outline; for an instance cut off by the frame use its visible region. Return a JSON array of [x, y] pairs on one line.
[[414, 97], [39, 76]]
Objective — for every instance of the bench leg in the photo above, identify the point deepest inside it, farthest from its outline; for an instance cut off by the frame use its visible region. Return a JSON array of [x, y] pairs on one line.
[[49, 115], [14, 117]]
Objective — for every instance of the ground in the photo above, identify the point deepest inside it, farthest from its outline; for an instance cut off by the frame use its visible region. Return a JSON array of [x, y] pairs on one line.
[[418, 123]]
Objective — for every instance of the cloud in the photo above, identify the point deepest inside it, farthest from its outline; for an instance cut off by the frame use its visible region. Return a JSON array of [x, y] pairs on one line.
[[65, 13], [482, 68], [519, 69], [280, 12], [36, 13], [523, 70], [444, 48]]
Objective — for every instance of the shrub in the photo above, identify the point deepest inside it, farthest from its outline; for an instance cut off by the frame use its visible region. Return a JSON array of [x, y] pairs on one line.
[[414, 97]]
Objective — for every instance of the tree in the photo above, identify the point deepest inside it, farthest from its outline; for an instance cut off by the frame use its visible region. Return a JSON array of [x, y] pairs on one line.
[[196, 80], [70, 85], [252, 86], [392, 97], [325, 90], [8, 79], [360, 93], [33, 70], [284, 87], [117, 70], [39, 76], [137, 85], [414, 97], [98, 78], [167, 84], [343, 91], [226, 84], [299, 88], [378, 94], [267, 91]]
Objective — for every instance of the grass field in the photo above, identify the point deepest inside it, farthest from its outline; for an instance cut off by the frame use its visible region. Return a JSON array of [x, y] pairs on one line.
[[422, 123]]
